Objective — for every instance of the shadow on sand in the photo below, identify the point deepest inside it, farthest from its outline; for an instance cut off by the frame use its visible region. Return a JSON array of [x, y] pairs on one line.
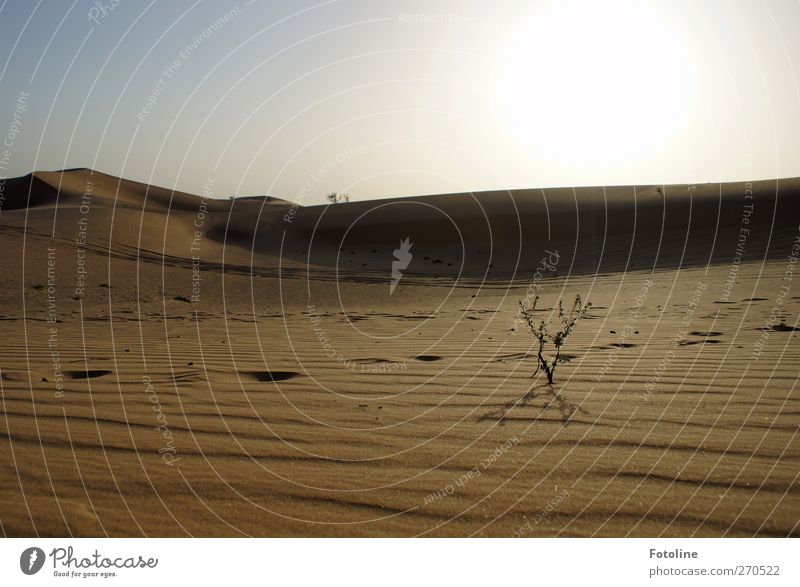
[[544, 396]]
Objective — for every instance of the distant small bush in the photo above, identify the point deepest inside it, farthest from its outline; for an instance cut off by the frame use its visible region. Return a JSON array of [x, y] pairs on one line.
[[182, 299], [335, 197], [544, 337]]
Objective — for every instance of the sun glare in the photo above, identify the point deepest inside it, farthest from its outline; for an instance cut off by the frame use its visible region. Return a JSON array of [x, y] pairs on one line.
[[593, 82]]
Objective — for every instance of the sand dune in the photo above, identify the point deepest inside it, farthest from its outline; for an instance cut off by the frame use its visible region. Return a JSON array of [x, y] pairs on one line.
[[172, 365]]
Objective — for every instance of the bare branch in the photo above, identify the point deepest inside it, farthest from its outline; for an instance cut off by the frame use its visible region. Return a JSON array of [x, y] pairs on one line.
[[544, 337]]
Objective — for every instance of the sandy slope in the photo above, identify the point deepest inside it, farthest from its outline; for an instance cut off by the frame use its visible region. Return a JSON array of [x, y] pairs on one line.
[[294, 395]]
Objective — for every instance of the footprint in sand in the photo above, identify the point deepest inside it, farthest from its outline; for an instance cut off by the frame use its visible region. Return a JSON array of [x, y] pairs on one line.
[[784, 328], [618, 345], [265, 376], [514, 357], [91, 374]]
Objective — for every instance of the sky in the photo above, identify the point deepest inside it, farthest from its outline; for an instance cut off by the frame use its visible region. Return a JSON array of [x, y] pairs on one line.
[[378, 99]]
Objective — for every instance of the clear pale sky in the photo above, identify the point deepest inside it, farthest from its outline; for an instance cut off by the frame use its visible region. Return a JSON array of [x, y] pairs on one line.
[[297, 99]]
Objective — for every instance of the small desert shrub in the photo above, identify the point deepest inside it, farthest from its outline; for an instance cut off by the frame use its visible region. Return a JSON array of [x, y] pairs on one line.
[[544, 336], [182, 299]]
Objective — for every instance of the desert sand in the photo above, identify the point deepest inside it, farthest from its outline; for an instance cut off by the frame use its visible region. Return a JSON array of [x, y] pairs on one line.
[[173, 365]]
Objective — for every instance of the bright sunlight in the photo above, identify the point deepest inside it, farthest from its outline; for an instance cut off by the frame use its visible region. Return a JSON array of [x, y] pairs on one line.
[[591, 82]]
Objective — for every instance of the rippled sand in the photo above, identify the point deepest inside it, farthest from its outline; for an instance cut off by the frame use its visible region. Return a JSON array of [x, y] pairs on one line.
[[273, 386]]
